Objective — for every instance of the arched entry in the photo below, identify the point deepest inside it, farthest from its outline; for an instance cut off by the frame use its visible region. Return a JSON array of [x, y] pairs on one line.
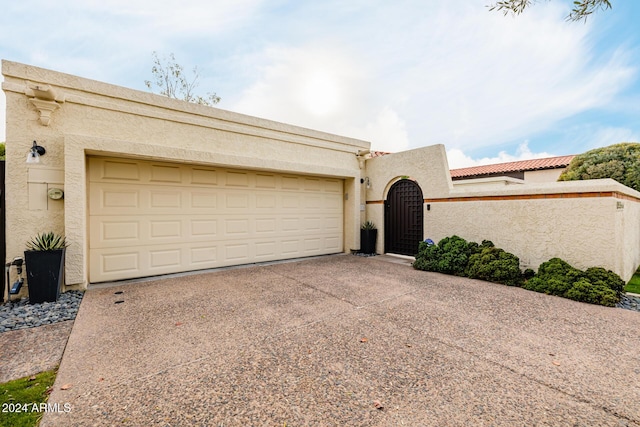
[[403, 218]]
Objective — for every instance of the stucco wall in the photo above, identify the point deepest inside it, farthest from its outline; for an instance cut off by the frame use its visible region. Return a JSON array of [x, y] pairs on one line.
[[545, 175], [426, 166], [479, 183], [628, 236], [98, 118], [583, 228], [588, 223]]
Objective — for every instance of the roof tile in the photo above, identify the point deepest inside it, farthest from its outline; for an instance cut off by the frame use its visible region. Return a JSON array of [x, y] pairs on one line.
[[519, 166]]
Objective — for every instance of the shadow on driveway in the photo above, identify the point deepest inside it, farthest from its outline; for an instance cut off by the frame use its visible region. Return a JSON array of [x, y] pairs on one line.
[[349, 341]]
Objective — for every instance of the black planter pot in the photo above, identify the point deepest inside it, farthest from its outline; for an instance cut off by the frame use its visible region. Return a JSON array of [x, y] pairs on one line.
[[45, 271], [368, 240]]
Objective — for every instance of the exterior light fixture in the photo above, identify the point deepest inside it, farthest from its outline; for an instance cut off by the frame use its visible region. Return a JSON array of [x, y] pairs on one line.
[[34, 154]]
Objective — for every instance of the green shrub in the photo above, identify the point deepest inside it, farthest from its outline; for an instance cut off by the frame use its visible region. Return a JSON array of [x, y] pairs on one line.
[[528, 274], [495, 265], [454, 255], [607, 278], [595, 286], [427, 257], [449, 256], [557, 268], [586, 291]]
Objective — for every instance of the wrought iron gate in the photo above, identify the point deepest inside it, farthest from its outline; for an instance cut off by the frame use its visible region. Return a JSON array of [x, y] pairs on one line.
[[404, 216]]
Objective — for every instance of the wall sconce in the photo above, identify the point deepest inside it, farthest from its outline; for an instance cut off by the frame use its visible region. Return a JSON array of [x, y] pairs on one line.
[[366, 181], [34, 154]]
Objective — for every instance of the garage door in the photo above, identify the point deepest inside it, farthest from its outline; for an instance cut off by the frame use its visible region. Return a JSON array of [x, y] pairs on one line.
[[148, 218]]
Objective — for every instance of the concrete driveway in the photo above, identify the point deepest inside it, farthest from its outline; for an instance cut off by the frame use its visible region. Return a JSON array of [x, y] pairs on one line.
[[344, 341]]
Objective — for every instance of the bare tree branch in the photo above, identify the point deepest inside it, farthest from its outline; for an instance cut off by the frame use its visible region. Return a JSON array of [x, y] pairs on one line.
[[170, 79]]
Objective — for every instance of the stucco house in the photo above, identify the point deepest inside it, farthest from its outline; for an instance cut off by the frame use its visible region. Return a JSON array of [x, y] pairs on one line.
[[154, 185], [547, 169]]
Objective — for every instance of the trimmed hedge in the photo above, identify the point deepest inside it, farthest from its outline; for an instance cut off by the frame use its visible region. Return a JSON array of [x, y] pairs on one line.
[[595, 285], [449, 256], [495, 265], [455, 255]]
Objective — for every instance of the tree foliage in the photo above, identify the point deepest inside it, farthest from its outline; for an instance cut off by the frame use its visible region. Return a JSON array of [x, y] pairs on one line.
[[581, 9], [2, 152], [619, 161], [172, 81]]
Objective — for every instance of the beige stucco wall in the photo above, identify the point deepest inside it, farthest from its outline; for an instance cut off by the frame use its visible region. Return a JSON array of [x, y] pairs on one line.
[[585, 231], [493, 182], [588, 223], [427, 166], [98, 118], [627, 237], [545, 175]]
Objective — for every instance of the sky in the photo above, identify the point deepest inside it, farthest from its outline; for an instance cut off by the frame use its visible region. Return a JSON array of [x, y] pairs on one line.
[[403, 74]]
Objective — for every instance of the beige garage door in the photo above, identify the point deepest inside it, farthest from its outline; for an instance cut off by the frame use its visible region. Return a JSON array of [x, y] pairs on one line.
[[149, 218]]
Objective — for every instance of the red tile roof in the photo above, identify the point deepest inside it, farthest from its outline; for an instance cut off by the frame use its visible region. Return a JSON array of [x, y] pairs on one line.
[[520, 166]]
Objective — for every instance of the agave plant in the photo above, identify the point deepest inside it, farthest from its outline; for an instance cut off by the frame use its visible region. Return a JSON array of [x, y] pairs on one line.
[[368, 226], [47, 242]]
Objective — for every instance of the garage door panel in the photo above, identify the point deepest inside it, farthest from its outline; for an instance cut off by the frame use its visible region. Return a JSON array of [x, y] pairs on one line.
[[164, 229], [333, 244], [208, 177], [236, 179], [204, 255], [164, 258], [165, 174], [203, 228], [119, 264], [161, 199], [117, 169], [149, 218], [267, 181]]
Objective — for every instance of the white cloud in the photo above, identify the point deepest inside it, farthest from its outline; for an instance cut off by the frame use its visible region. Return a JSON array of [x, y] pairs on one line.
[[313, 86], [490, 79], [458, 159], [387, 133], [401, 74], [450, 72]]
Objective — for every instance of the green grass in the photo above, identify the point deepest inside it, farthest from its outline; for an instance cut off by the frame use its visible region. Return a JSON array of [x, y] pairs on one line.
[[634, 283], [29, 392]]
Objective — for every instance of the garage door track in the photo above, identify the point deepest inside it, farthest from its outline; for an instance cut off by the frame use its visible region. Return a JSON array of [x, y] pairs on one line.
[[345, 341]]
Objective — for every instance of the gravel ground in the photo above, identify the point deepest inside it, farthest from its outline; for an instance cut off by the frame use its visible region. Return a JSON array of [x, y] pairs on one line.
[[21, 315], [629, 302]]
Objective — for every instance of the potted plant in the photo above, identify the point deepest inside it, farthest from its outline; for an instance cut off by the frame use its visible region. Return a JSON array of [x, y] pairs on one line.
[[44, 259], [368, 237]]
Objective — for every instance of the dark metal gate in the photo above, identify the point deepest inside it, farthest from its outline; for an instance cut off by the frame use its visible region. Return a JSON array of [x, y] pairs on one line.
[[403, 219]]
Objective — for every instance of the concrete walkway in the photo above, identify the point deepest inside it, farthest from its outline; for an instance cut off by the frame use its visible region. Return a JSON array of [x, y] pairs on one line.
[[345, 341], [27, 352]]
